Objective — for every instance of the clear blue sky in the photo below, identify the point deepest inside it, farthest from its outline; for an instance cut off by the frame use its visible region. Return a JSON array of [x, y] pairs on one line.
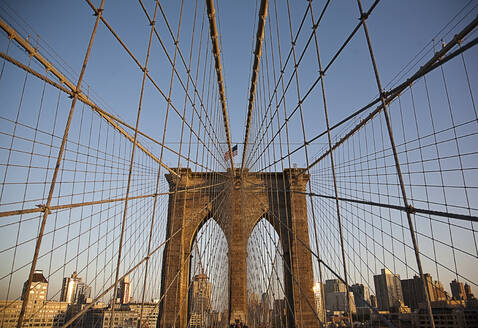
[[399, 30]]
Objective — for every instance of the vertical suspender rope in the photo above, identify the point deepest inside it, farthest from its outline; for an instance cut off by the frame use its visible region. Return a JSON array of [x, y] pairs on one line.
[[332, 164], [55, 173], [363, 18], [157, 182], [130, 174]]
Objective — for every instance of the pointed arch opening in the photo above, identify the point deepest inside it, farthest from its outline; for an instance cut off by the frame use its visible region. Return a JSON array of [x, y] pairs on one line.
[[266, 301], [208, 295]]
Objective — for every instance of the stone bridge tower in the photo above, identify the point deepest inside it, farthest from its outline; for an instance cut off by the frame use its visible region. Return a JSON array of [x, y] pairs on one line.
[[277, 196]]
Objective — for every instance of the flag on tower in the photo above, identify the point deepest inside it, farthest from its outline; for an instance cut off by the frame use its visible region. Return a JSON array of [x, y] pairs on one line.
[[234, 153]]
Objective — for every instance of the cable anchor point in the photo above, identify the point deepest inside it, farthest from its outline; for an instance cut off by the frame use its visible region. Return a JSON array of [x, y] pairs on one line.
[[44, 208]]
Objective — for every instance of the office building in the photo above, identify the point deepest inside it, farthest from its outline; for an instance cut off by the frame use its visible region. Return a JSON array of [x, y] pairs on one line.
[[337, 301], [388, 291], [334, 291], [68, 289], [361, 295], [265, 307], [38, 288], [199, 301], [373, 301], [150, 313], [439, 292], [469, 295], [337, 298], [334, 285], [74, 291], [279, 313], [124, 291], [48, 314], [39, 311], [83, 293], [319, 300], [254, 309], [457, 290], [124, 317], [448, 314], [414, 295]]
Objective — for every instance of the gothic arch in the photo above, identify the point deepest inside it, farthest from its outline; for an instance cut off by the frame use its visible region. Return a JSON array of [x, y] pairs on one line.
[[245, 198], [201, 224], [265, 272], [210, 259]]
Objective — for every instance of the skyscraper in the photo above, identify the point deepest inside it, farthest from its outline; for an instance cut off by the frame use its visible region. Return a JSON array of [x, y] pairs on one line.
[[200, 300], [468, 292], [254, 309], [337, 298], [266, 305], [457, 290], [73, 290], [413, 293], [373, 301], [361, 295], [279, 310], [39, 311], [38, 288], [68, 289], [124, 290], [319, 300], [83, 292], [388, 290], [334, 285], [439, 291]]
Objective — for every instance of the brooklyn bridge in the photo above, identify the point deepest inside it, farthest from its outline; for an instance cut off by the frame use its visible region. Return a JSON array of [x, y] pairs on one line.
[[238, 163]]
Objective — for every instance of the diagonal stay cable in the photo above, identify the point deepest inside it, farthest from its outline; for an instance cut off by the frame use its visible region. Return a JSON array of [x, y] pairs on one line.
[[255, 69], [55, 175], [186, 67], [215, 48], [150, 78], [64, 80], [437, 60]]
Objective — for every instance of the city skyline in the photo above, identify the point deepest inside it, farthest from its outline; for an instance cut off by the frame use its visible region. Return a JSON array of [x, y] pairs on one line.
[[200, 294]]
